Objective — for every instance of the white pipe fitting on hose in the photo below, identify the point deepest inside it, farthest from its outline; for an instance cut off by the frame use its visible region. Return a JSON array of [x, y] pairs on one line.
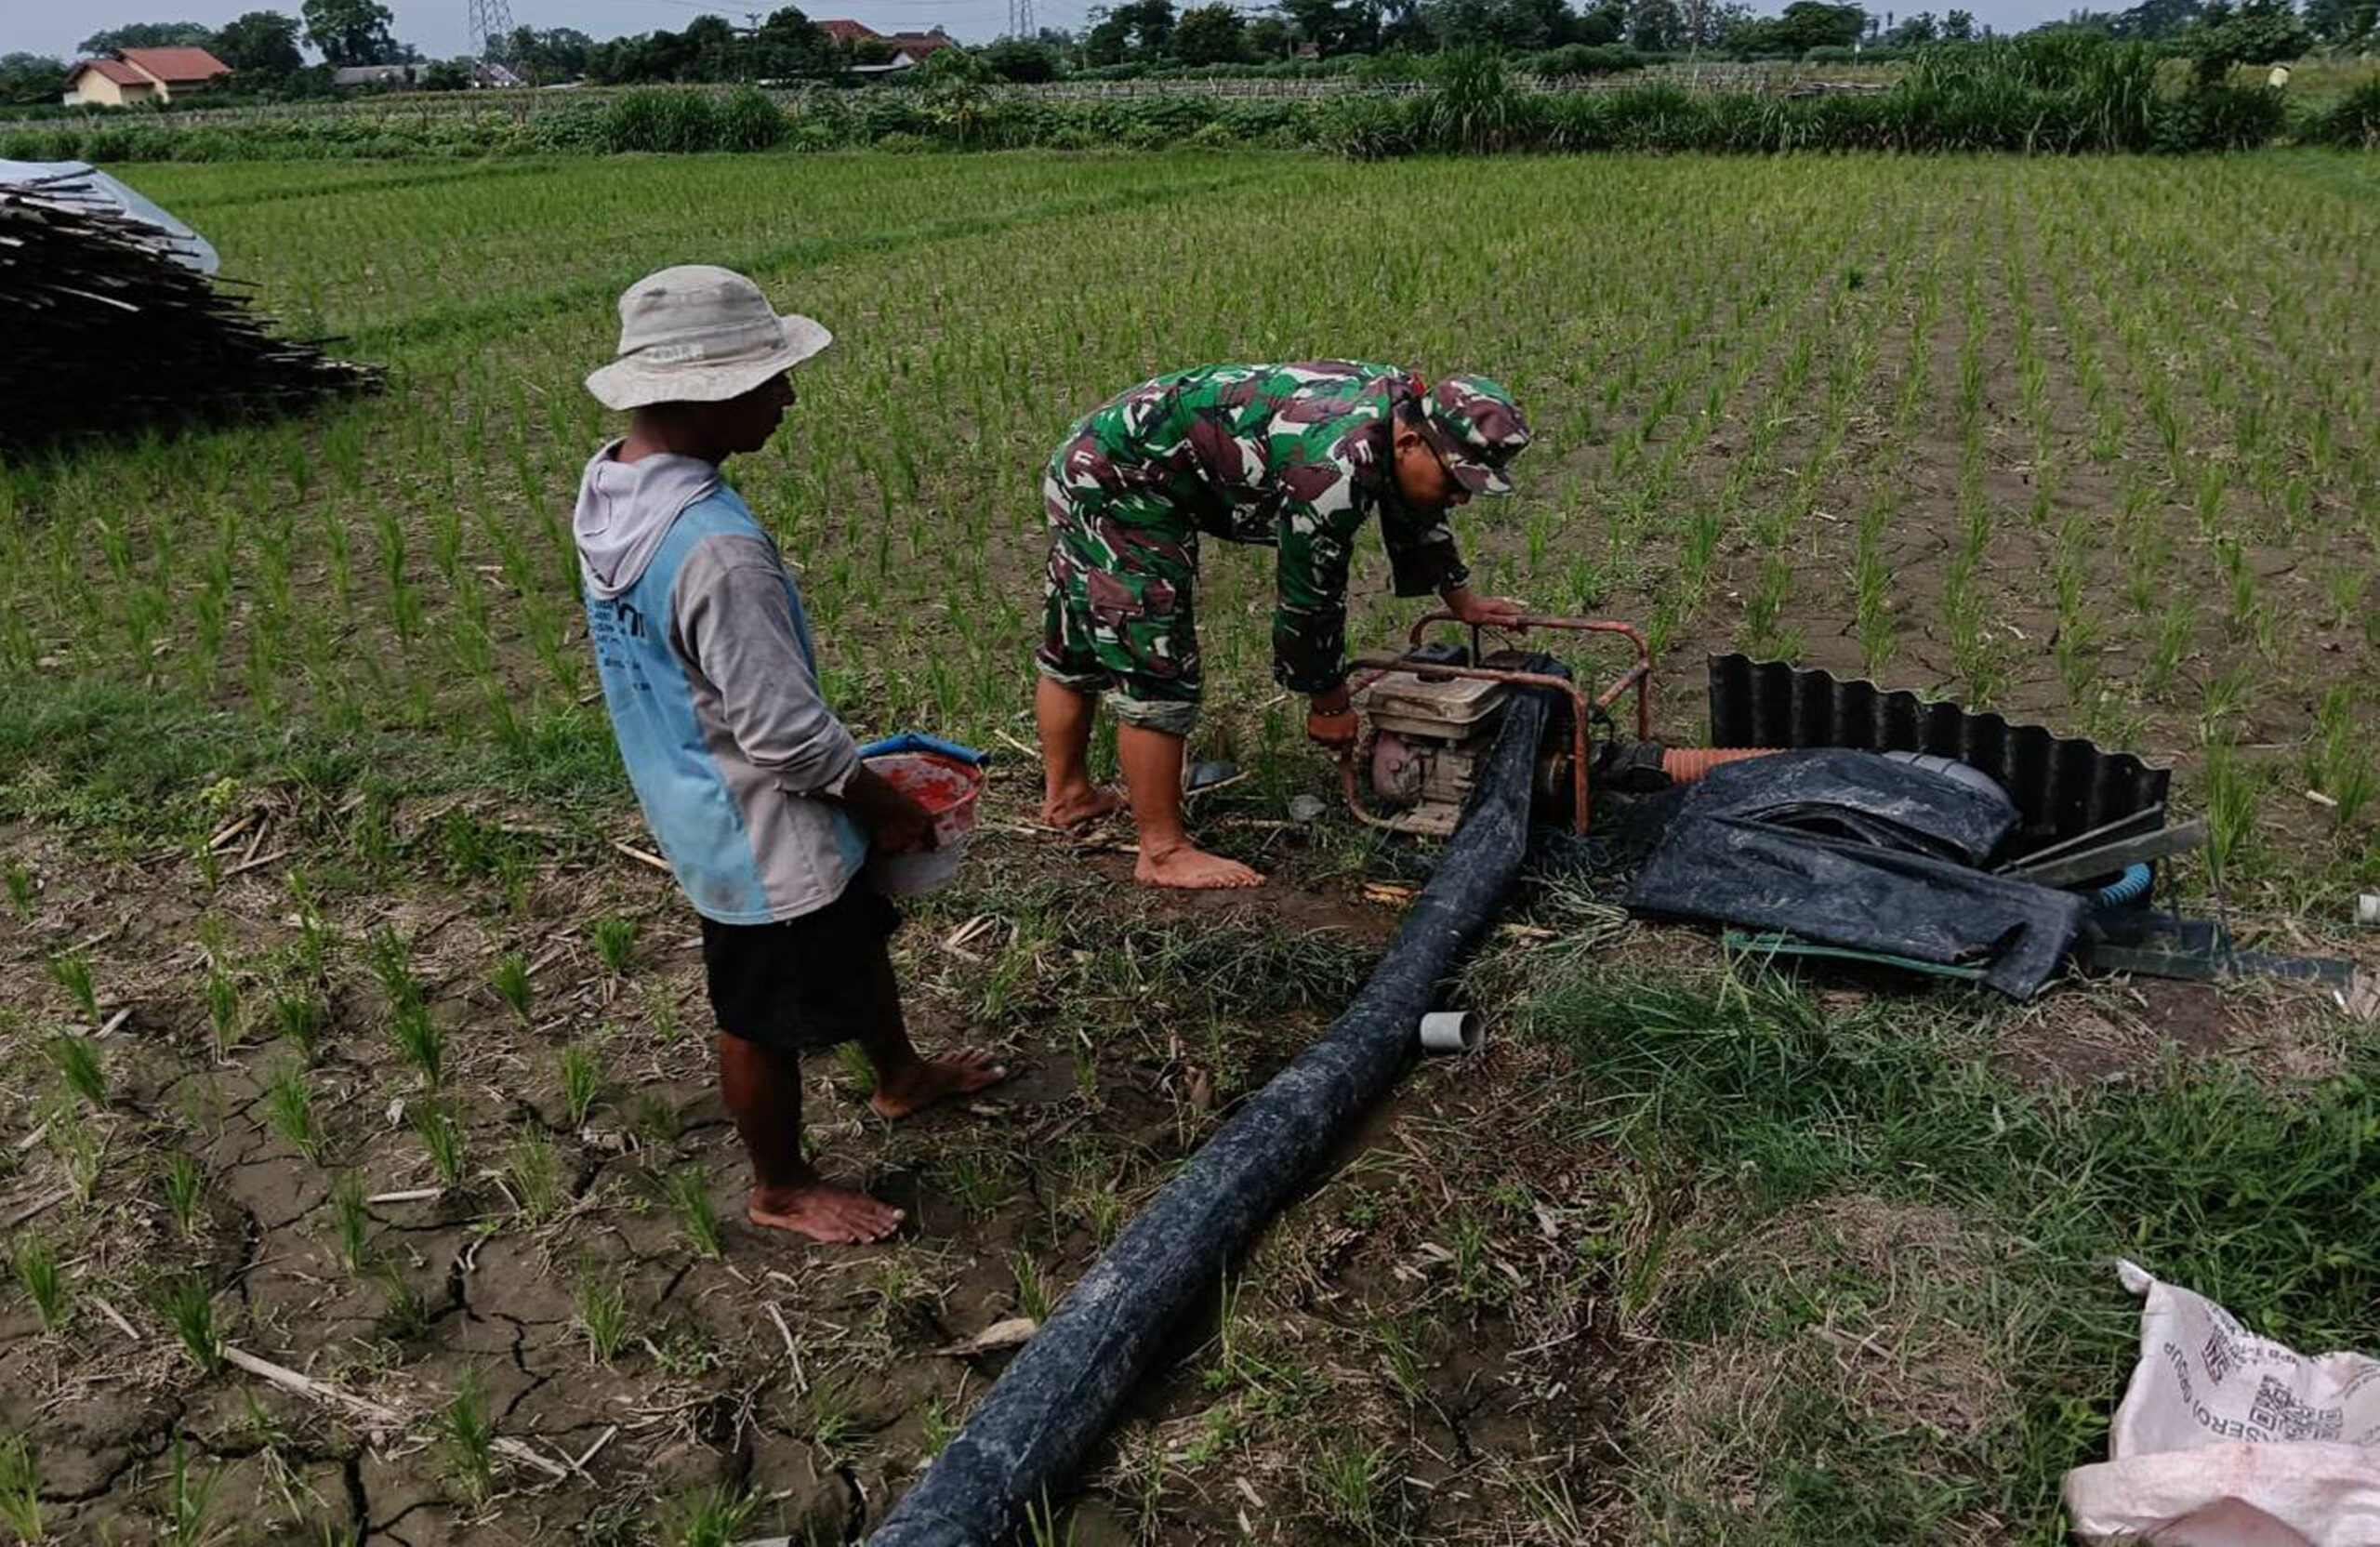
[[1450, 1031]]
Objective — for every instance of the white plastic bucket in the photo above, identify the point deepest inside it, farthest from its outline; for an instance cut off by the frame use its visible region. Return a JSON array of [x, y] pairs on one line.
[[948, 789]]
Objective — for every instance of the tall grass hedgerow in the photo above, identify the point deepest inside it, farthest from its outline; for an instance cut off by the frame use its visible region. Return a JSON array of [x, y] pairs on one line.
[[2353, 121], [680, 120]]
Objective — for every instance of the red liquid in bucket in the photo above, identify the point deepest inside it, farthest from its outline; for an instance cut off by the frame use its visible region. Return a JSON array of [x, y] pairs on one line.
[[941, 785], [947, 789]]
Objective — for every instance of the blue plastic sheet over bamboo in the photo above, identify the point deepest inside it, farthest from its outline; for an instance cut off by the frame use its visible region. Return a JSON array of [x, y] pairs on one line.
[[1031, 1430], [79, 185]]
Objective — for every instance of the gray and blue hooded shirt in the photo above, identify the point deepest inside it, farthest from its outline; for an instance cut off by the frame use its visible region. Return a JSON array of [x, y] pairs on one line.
[[712, 682]]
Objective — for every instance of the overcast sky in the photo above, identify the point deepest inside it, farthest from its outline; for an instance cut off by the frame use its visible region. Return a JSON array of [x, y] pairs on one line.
[[439, 28]]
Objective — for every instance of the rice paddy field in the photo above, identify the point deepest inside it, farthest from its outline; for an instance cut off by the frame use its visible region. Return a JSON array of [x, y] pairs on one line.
[[346, 1030]]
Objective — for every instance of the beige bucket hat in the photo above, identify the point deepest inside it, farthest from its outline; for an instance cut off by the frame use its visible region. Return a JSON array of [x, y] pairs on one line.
[[700, 333]]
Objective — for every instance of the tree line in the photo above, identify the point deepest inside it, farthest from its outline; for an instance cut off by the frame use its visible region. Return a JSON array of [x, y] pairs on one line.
[[266, 48]]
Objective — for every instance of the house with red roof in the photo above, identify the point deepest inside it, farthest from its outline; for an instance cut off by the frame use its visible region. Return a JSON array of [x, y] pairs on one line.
[[849, 32], [124, 76], [901, 50]]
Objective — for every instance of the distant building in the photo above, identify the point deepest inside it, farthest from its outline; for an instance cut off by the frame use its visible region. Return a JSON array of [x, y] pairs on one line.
[[378, 74], [916, 45], [124, 77], [905, 50]]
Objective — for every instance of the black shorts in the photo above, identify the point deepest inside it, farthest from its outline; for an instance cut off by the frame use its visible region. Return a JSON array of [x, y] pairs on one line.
[[807, 982]]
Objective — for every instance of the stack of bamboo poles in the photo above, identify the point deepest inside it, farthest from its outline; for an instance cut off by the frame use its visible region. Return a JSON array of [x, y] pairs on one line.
[[105, 332]]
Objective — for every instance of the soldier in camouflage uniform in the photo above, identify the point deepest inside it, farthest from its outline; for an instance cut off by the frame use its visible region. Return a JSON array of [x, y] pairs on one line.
[[1297, 458]]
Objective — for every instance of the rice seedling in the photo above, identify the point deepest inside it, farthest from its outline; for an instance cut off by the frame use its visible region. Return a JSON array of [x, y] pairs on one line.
[[861, 1074], [533, 1175], [222, 1009], [441, 1139], [421, 1041], [661, 1012], [1354, 1484], [601, 1312], [831, 1416], [79, 1148], [614, 940], [511, 981], [468, 1430], [80, 1068], [19, 877], [72, 974], [301, 1017], [42, 1280], [686, 1191], [189, 1307], [20, 1489], [713, 1518], [2344, 768], [404, 1314], [190, 1501], [582, 1080], [289, 1108], [1032, 1290], [979, 1186], [350, 1221], [2230, 807], [391, 958], [185, 1188]]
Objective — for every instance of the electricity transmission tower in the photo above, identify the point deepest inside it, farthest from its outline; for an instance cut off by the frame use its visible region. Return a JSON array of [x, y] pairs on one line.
[[492, 22], [1020, 18]]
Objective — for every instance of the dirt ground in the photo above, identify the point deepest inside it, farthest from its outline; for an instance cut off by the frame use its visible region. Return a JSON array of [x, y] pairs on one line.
[[816, 1379], [1440, 1296]]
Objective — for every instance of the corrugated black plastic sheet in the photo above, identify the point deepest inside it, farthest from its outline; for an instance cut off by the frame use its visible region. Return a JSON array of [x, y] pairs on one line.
[[2063, 785]]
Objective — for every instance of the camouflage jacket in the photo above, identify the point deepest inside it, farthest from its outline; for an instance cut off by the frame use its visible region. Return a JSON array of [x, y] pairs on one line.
[[1295, 456]]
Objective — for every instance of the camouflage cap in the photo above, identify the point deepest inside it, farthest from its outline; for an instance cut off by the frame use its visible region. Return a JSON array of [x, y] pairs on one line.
[[1476, 429]]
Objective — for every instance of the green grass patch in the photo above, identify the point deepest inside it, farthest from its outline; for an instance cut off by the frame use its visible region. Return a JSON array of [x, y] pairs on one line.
[[1884, 1266]]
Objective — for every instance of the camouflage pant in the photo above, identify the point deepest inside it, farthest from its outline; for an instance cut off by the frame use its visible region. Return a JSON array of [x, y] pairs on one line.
[[1116, 614]]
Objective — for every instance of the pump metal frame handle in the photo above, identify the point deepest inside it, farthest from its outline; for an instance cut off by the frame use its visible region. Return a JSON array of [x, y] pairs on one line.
[[1639, 677]]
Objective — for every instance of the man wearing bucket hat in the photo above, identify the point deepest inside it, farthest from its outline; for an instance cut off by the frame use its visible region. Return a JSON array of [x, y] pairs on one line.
[[752, 787], [1297, 458]]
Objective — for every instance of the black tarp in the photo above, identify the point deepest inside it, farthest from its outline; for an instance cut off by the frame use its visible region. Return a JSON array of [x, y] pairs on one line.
[[1855, 850]]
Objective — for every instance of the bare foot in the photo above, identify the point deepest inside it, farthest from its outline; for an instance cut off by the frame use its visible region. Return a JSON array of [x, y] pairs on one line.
[[839, 1216], [1074, 807], [929, 1079], [1193, 869]]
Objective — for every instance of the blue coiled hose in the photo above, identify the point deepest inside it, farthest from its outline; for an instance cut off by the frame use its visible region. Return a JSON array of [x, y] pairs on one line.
[[2126, 889]]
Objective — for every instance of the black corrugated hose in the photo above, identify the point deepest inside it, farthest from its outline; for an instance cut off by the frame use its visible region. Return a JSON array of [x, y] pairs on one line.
[[1052, 1404]]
